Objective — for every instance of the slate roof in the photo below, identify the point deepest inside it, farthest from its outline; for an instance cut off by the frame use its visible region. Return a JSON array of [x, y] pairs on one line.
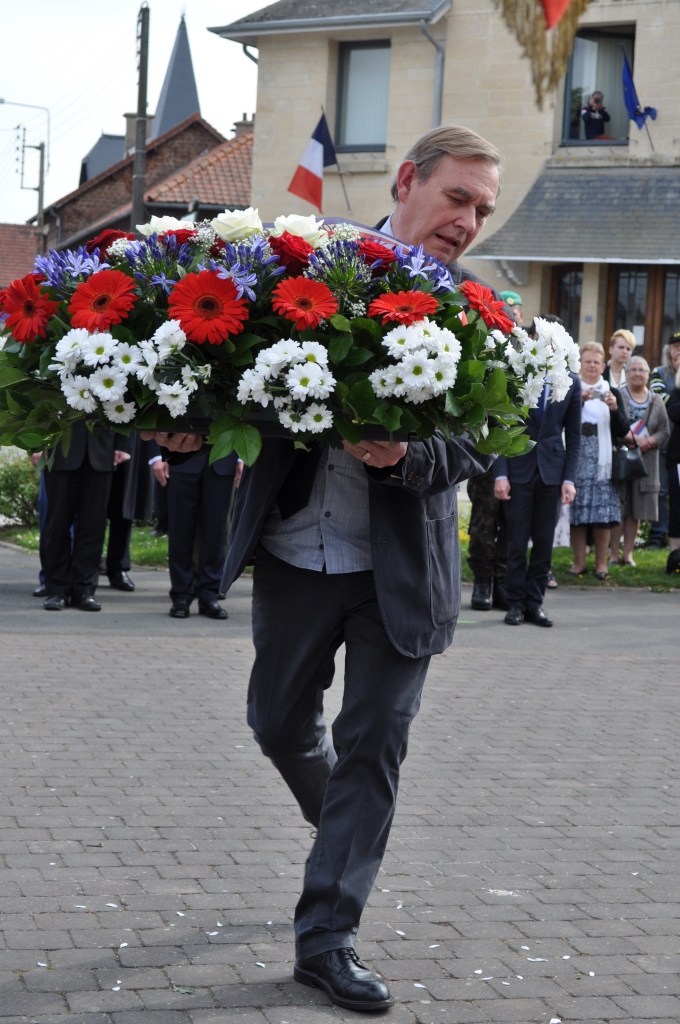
[[311, 15], [107, 150], [581, 214], [179, 95], [17, 252]]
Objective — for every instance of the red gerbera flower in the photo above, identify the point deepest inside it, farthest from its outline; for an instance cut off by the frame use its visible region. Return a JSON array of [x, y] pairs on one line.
[[404, 307], [489, 308], [27, 309], [104, 299], [207, 307], [373, 251], [304, 301]]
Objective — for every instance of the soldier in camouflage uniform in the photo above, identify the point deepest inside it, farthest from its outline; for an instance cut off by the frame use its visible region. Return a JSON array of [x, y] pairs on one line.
[[487, 552]]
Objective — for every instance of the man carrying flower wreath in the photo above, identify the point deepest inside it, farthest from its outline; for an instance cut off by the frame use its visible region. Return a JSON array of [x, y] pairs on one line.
[[357, 546]]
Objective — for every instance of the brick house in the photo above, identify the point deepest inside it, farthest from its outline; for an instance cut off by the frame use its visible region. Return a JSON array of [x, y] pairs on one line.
[[18, 246]]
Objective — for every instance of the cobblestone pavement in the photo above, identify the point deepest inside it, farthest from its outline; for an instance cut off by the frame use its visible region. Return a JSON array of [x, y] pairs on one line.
[[150, 858]]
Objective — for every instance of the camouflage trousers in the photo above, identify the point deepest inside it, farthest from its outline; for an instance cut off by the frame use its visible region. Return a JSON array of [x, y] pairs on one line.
[[488, 548]]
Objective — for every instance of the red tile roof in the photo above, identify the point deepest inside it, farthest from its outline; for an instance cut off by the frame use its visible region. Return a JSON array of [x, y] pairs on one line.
[[17, 251], [222, 176]]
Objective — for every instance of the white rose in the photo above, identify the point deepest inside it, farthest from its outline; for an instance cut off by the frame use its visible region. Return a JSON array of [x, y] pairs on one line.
[[306, 227], [233, 225], [162, 224]]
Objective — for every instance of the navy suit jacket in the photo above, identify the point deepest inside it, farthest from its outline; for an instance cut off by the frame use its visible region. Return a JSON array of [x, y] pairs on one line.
[[99, 444], [557, 460]]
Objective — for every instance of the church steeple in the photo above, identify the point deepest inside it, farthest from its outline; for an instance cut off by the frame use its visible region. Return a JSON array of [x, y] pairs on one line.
[[179, 96]]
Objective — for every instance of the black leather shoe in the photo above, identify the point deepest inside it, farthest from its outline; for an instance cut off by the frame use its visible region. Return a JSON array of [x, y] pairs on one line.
[[55, 603], [121, 581], [40, 590], [537, 616], [180, 609], [515, 615], [212, 609], [86, 603], [500, 597], [345, 980], [481, 597]]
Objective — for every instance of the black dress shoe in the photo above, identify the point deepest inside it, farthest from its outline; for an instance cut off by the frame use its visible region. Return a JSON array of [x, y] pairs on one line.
[[180, 609], [212, 609], [537, 616], [500, 597], [55, 603], [481, 597], [515, 615], [86, 603], [121, 581], [345, 980], [40, 590]]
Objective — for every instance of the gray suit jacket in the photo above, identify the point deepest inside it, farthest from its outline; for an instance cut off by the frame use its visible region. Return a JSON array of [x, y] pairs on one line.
[[414, 534]]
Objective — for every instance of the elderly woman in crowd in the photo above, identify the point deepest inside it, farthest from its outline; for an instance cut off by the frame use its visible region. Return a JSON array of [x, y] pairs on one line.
[[673, 463], [621, 347], [647, 417], [597, 502]]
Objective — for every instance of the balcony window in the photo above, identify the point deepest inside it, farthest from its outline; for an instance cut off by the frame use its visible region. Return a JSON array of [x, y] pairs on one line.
[[363, 94], [596, 66]]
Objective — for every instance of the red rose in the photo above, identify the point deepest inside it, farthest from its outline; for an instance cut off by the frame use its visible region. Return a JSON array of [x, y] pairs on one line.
[[181, 234], [217, 248], [293, 252], [106, 238], [374, 251]]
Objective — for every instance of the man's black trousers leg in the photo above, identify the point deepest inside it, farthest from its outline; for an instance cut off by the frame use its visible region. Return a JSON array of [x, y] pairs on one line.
[[300, 618], [531, 512]]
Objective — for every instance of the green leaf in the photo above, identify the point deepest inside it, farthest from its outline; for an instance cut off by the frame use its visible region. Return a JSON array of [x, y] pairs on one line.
[[341, 323], [362, 399], [247, 341], [363, 325], [471, 370], [389, 416], [477, 414], [30, 439], [339, 347], [245, 359], [9, 376], [221, 446], [410, 424], [358, 356], [219, 426], [350, 431], [453, 407], [17, 403], [247, 442], [496, 387]]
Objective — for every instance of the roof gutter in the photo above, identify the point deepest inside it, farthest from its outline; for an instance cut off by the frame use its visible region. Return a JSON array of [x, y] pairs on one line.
[[574, 259], [248, 31]]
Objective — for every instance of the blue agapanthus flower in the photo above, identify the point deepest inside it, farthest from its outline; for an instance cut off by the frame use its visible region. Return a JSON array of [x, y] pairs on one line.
[[418, 264], [57, 267]]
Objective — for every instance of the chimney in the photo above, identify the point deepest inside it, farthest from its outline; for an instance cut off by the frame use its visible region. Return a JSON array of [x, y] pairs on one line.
[[131, 129], [246, 124]]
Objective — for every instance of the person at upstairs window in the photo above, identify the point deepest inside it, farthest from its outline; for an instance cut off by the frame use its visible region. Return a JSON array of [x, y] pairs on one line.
[[595, 116]]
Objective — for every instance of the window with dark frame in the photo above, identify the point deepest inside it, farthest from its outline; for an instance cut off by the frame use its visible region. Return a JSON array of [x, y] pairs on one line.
[[363, 96], [596, 66], [630, 310], [671, 303], [567, 287]]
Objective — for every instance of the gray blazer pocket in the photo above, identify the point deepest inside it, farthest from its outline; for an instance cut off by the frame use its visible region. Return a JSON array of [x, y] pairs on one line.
[[444, 568]]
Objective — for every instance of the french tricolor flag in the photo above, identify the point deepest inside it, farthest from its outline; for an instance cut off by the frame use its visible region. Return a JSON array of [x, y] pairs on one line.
[[307, 181]]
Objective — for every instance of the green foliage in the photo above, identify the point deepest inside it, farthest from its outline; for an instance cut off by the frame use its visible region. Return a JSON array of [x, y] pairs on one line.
[[19, 489]]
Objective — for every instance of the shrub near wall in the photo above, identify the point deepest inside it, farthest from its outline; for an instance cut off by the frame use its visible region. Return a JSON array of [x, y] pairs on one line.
[[19, 489]]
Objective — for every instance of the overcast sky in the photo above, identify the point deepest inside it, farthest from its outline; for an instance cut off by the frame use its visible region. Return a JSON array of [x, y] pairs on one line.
[[78, 58]]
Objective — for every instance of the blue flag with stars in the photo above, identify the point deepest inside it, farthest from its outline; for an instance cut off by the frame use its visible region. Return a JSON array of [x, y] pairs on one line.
[[630, 97]]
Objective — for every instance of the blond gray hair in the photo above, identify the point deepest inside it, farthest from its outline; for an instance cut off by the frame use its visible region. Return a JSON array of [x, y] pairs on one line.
[[593, 346], [448, 140]]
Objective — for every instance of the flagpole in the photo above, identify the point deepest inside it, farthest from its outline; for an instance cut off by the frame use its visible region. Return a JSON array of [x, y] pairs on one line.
[[649, 136], [337, 164]]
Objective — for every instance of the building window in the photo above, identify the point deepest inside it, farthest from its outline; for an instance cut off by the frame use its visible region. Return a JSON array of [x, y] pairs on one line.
[[596, 66], [671, 303], [363, 94], [630, 310], [566, 295]]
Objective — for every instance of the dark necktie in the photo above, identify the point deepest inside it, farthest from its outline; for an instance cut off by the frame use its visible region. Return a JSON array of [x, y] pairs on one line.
[[296, 489]]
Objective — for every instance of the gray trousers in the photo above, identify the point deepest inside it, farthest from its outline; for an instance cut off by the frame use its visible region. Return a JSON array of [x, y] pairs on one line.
[[347, 787]]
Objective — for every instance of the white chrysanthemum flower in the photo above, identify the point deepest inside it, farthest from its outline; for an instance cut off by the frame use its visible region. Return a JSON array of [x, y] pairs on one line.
[[445, 370], [324, 385], [313, 352], [248, 379], [290, 420], [163, 224], [395, 380], [267, 366], [493, 340], [429, 333], [235, 225], [204, 371], [119, 412], [258, 390], [286, 351], [380, 383], [533, 389], [559, 387], [189, 378], [515, 359], [76, 391], [169, 338], [301, 378], [520, 335], [401, 339], [317, 418], [416, 368], [65, 369], [175, 397], [108, 383], [416, 396], [69, 347], [536, 353], [448, 344], [281, 401], [126, 356], [97, 348], [308, 228]]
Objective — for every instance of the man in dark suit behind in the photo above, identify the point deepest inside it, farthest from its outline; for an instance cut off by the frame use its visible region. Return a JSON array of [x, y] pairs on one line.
[[357, 546], [532, 486], [78, 486]]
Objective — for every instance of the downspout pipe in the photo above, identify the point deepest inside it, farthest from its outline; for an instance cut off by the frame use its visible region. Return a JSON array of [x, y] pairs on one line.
[[438, 74], [248, 54]]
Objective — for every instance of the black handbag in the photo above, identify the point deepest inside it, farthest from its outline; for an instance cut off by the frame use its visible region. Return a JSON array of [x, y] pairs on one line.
[[628, 464]]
